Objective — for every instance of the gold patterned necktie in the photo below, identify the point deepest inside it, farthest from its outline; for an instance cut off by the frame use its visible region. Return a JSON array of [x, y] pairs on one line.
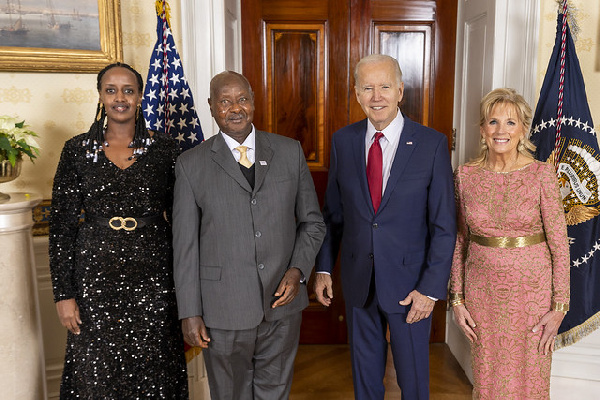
[[243, 157]]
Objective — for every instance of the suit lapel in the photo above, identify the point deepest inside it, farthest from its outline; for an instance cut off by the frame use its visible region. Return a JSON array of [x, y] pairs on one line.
[[262, 158], [223, 157], [358, 145], [406, 146]]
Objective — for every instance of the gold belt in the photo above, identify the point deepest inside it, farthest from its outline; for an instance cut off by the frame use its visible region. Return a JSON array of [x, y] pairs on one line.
[[509, 242]]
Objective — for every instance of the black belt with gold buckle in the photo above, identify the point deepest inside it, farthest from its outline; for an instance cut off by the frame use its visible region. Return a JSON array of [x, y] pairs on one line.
[[125, 223]]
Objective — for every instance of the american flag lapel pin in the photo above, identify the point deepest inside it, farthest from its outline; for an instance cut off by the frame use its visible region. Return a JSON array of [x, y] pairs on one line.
[[262, 162], [409, 143]]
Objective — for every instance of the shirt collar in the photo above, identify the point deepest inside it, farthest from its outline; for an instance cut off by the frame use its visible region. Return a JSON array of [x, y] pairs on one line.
[[249, 142], [391, 132]]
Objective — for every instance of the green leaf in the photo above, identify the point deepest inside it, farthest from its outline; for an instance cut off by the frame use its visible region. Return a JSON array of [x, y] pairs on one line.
[[5, 143], [29, 153]]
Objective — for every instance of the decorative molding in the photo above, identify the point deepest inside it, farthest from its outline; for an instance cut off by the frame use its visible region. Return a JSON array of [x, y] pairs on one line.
[[412, 44], [300, 109]]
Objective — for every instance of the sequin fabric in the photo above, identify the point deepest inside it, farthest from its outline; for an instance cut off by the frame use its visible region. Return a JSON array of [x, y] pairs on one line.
[[130, 345], [508, 290]]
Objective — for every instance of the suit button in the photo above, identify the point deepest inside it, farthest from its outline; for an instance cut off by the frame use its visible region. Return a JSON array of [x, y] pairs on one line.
[[253, 202], [371, 256], [261, 266], [375, 226], [258, 234]]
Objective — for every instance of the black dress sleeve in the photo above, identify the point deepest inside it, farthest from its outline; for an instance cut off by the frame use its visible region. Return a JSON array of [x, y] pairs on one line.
[[67, 203]]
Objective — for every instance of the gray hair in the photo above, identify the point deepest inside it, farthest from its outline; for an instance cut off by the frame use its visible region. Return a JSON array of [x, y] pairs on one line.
[[224, 77], [378, 58]]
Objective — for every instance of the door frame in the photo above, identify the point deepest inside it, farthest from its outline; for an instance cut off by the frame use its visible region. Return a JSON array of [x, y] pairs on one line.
[[511, 45], [211, 43]]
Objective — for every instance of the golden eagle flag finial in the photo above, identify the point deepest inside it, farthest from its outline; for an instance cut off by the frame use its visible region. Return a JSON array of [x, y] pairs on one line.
[[167, 9]]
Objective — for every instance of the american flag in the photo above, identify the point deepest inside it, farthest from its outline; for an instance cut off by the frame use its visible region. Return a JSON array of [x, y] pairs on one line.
[[168, 103], [564, 134]]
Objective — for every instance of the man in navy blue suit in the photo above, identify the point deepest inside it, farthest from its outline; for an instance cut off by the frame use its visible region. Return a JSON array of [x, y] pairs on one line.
[[390, 205]]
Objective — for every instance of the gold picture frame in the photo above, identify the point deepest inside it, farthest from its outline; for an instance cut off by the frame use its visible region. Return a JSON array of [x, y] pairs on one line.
[[48, 59]]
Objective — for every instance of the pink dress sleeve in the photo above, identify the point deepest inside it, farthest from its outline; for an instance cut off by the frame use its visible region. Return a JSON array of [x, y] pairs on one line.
[[457, 273], [555, 227]]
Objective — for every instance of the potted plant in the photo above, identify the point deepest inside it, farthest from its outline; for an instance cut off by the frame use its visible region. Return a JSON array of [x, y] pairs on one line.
[[16, 140]]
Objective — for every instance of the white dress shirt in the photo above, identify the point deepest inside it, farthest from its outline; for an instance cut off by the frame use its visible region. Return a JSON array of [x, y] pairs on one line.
[[249, 143], [389, 144]]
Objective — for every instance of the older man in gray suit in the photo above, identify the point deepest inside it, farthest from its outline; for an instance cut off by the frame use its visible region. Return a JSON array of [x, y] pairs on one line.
[[246, 230]]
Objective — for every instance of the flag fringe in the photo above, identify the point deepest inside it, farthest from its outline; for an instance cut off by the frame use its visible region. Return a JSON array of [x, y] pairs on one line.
[[572, 14], [577, 333]]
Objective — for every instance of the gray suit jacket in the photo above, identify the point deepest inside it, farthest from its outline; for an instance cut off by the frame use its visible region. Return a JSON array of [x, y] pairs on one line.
[[232, 244]]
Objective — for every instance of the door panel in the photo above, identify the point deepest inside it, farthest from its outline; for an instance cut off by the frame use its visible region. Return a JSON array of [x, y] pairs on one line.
[[411, 45], [296, 86], [476, 77], [299, 57]]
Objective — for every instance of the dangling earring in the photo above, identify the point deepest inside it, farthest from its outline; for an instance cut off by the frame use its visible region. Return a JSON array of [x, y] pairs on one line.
[[484, 145], [521, 145], [100, 109], [137, 111]]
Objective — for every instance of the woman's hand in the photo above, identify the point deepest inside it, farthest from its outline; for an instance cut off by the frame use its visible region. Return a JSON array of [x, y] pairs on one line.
[[549, 325], [464, 320], [68, 314]]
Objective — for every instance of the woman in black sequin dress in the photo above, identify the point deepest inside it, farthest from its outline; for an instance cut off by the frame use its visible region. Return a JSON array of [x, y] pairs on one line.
[[112, 271]]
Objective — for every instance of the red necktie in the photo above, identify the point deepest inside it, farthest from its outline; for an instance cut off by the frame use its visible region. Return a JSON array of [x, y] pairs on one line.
[[374, 171]]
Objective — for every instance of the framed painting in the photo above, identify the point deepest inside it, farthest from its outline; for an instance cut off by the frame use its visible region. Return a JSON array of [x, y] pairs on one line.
[[59, 35]]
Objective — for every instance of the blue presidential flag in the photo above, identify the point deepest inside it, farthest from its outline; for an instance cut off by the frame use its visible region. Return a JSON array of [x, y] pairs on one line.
[[563, 131], [168, 103]]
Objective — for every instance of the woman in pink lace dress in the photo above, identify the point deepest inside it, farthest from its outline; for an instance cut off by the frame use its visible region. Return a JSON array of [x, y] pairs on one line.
[[509, 286]]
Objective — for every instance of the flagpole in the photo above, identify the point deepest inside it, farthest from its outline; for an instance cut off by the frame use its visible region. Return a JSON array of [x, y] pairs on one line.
[[561, 84], [165, 65]]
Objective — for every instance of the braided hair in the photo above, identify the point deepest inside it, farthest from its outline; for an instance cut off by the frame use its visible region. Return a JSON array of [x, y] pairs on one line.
[[94, 141]]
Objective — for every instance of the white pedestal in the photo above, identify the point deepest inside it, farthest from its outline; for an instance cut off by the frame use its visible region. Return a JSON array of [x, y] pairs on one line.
[[21, 349]]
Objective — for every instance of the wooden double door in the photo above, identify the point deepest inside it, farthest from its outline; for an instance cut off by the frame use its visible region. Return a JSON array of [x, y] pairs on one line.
[[299, 56]]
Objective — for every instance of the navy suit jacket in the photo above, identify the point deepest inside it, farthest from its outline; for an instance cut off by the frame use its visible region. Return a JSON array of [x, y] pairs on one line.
[[409, 243]]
